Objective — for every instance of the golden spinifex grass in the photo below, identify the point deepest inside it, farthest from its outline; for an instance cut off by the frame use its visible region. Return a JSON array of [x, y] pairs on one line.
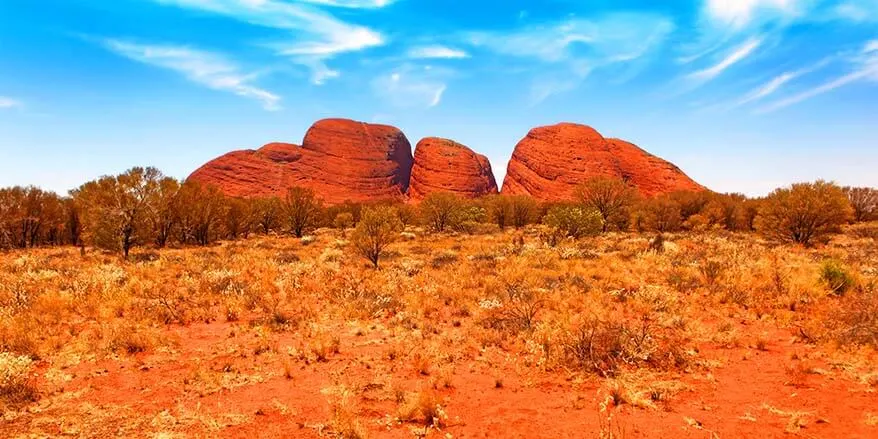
[[616, 310]]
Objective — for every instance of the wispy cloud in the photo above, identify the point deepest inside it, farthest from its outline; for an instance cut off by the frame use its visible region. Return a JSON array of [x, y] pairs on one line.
[[617, 37], [440, 52], [779, 81], [579, 46], [6, 102], [865, 68], [410, 86], [737, 55], [353, 4], [857, 10], [205, 68], [740, 13], [319, 35]]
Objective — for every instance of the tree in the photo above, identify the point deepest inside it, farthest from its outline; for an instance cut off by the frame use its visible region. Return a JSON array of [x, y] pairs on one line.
[[268, 212], [201, 210], [864, 201], [407, 214], [499, 210], [72, 221], [163, 215], [239, 219], [804, 212], [612, 198], [441, 210], [660, 214], [523, 209], [574, 221], [301, 210], [115, 210], [378, 228], [343, 221]]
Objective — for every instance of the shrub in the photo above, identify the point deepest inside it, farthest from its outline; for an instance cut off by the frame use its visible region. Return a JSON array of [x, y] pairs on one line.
[[442, 211], [499, 210], [836, 277], [377, 229], [574, 222], [804, 212], [864, 201], [302, 210], [343, 221], [115, 209], [523, 210], [661, 214], [612, 198]]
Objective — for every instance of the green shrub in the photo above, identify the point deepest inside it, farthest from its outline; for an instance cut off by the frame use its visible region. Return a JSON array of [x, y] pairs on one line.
[[836, 276], [573, 221]]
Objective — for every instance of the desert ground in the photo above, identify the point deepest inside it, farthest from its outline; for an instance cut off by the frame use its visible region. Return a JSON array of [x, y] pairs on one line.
[[492, 334]]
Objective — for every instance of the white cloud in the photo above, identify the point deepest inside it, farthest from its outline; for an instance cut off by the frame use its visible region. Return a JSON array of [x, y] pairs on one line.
[[871, 46], [409, 87], [737, 55], [8, 102], [779, 81], [865, 69], [318, 35], [740, 13], [428, 52], [208, 69]]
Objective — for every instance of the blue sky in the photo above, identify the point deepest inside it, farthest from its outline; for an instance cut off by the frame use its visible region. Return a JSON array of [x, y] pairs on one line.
[[744, 95]]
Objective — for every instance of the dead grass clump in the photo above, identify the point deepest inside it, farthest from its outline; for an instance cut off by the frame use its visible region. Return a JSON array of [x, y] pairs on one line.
[[16, 384], [605, 346], [286, 257], [517, 310], [424, 407], [123, 338], [443, 259], [855, 320]]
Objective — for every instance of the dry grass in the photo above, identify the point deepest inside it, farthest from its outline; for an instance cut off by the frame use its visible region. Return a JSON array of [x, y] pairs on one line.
[[608, 308]]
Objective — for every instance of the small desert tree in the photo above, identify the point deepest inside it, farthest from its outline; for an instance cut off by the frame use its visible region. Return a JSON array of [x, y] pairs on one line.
[[115, 210], [442, 210], [239, 219], [267, 213], [499, 210], [378, 228], [804, 212], [523, 210], [343, 221], [301, 209], [612, 198], [163, 213], [574, 221], [864, 201], [660, 214], [407, 214], [201, 210]]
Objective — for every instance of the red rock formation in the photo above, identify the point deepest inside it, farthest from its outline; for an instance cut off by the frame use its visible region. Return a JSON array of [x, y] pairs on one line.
[[551, 161], [339, 159], [443, 165]]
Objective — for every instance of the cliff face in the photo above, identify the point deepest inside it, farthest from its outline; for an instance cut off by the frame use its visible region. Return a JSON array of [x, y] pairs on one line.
[[551, 161], [343, 160], [443, 165], [339, 159]]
